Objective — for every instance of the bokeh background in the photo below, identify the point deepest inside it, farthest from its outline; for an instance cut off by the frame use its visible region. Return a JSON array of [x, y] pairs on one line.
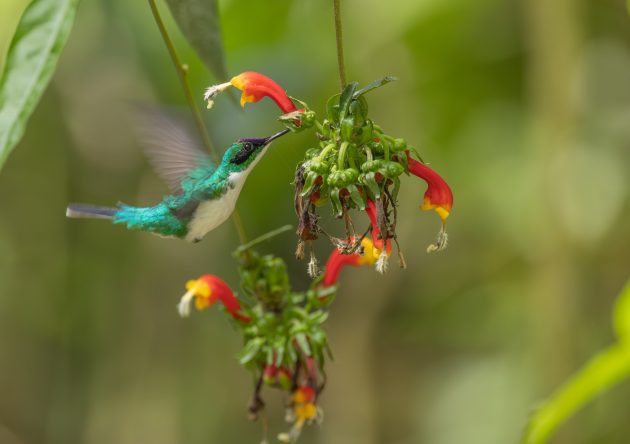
[[523, 106]]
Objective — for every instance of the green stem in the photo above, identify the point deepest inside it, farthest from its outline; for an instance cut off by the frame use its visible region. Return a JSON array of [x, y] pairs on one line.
[[341, 157], [339, 37], [326, 151], [182, 73]]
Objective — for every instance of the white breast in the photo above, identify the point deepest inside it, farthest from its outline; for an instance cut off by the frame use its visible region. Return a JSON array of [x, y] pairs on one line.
[[212, 213]]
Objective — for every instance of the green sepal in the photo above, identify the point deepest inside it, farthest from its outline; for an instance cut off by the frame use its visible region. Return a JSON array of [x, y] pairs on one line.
[[356, 196], [396, 189], [309, 183], [336, 202], [369, 180]]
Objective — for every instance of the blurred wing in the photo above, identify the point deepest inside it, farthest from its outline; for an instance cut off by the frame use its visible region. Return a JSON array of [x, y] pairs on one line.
[[171, 149]]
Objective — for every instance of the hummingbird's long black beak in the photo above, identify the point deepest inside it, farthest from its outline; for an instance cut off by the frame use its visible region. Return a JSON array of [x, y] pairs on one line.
[[277, 135]]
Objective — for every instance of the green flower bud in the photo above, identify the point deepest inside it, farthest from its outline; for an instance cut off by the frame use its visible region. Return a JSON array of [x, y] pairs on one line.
[[311, 152], [342, 178], [318, 166], [399, 145], [391, 169], [376, 147], [371, 166]]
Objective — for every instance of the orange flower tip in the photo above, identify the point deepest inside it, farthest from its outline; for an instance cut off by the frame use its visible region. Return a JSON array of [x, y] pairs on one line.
[[213, 91], [197, 290]]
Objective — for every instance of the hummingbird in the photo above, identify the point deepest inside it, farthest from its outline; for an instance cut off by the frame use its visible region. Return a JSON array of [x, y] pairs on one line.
[[203, 195]]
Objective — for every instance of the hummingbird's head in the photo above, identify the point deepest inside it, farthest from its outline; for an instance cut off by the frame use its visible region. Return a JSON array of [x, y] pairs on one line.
[[246, 152]]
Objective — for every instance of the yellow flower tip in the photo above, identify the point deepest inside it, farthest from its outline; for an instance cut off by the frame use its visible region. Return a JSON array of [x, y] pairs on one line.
[[370, 252], [197, 291], [247, 99], [442, 212], [238, 81], [201, 288]]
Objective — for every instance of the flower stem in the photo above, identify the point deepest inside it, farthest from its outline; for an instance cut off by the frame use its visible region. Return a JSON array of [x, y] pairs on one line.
[[182, 73], [339, 37]]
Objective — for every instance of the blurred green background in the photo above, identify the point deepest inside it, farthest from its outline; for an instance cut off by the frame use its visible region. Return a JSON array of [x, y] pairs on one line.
[[523, 106]]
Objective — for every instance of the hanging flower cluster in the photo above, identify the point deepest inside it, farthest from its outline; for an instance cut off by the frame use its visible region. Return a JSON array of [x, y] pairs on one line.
[[285, 346], [355, 165]]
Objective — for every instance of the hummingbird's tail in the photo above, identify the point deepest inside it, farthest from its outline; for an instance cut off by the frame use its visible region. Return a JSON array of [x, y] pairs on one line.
[[83, 211]]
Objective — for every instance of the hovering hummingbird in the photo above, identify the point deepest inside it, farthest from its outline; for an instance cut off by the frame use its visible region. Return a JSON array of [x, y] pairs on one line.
[[202, 196]]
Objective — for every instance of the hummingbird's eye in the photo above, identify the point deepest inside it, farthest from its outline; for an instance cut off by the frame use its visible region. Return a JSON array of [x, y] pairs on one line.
[[247, 149]]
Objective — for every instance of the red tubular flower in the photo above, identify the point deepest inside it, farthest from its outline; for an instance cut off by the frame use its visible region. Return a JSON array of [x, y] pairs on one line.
[[254, 86], [438, 196], [337, 261], [208, 290]]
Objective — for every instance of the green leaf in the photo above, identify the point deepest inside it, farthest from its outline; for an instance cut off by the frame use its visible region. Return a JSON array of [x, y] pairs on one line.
[[606, 369], [200, 24], [621, 316], [10, 13], [250, 350], [375, 84], [31, 60], [603, 371], [303, 342]]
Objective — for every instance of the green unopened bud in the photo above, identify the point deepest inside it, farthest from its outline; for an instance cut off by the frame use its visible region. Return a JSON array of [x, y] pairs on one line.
[[371, 166], [391, 169], [399, 145], [318, 166]]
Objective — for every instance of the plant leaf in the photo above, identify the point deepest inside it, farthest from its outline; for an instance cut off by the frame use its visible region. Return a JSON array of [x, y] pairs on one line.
[[303, 342], [250, 350], [31, 60], [375, 84], [10, 13], [621, 316], [199, 22], [603, 371]]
